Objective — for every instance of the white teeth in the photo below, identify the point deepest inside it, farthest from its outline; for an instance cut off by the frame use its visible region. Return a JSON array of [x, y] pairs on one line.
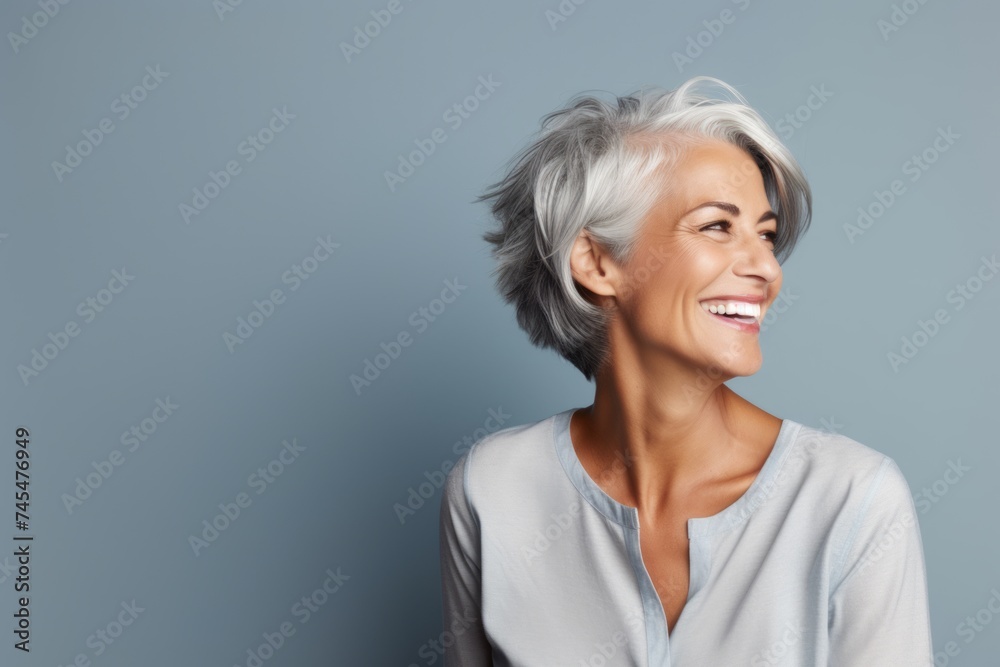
[[733, 308]]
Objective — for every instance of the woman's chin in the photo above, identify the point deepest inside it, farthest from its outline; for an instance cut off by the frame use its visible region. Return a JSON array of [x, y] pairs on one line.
[[740, 364]]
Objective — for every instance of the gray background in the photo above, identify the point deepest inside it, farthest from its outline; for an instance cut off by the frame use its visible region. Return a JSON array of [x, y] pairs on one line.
[[323, 176]]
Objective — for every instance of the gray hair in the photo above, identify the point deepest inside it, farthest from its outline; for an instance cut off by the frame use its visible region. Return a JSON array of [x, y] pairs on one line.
[[594, 167]]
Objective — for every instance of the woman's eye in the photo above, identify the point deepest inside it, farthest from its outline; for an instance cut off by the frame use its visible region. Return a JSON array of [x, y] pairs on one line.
[[724, 225]]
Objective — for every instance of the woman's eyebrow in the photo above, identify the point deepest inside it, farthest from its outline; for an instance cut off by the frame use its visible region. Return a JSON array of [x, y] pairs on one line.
[[732, 209]]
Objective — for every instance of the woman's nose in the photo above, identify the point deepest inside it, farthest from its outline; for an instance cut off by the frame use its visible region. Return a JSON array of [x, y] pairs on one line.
[[756, 258]]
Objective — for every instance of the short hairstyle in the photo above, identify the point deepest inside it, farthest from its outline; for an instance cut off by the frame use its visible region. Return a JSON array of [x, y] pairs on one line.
[[601, 166]]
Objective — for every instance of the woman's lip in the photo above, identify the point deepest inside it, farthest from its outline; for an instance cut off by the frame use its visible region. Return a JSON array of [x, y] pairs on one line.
[[736, 324]]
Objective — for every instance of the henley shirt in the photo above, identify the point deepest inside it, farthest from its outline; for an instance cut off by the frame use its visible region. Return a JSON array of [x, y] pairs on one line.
[[819, 562]]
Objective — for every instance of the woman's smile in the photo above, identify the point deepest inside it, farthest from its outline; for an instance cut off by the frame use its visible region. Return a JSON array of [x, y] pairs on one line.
[[747, 323], [743, 313]]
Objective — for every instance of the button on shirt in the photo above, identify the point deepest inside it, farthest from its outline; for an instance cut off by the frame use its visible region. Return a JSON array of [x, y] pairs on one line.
[[819, 562]]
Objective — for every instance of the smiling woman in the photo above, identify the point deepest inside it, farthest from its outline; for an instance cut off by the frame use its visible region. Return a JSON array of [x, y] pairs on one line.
[[671, 522]]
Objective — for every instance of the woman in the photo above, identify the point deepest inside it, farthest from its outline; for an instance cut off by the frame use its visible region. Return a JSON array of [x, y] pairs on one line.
[[671, 522]]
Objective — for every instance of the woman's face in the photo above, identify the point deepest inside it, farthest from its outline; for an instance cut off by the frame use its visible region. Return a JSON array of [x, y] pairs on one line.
[[710, 241]]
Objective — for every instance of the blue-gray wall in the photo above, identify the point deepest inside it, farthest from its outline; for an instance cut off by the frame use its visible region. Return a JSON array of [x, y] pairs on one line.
[[171, 272]]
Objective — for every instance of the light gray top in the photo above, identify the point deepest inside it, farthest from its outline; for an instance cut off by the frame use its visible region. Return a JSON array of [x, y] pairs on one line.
[[819, 562]]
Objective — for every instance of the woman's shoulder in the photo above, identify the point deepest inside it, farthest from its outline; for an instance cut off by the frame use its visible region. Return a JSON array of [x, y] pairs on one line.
[[843, 467], [816, 452], [830, 448], [857, 495], [508, 459], [508, 445]]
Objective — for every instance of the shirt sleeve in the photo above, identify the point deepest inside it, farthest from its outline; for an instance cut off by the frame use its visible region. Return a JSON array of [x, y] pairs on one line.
[[464, 638], [879, 612]]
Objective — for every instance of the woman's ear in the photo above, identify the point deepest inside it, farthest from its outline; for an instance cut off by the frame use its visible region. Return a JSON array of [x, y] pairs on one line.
[[592, 266]]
